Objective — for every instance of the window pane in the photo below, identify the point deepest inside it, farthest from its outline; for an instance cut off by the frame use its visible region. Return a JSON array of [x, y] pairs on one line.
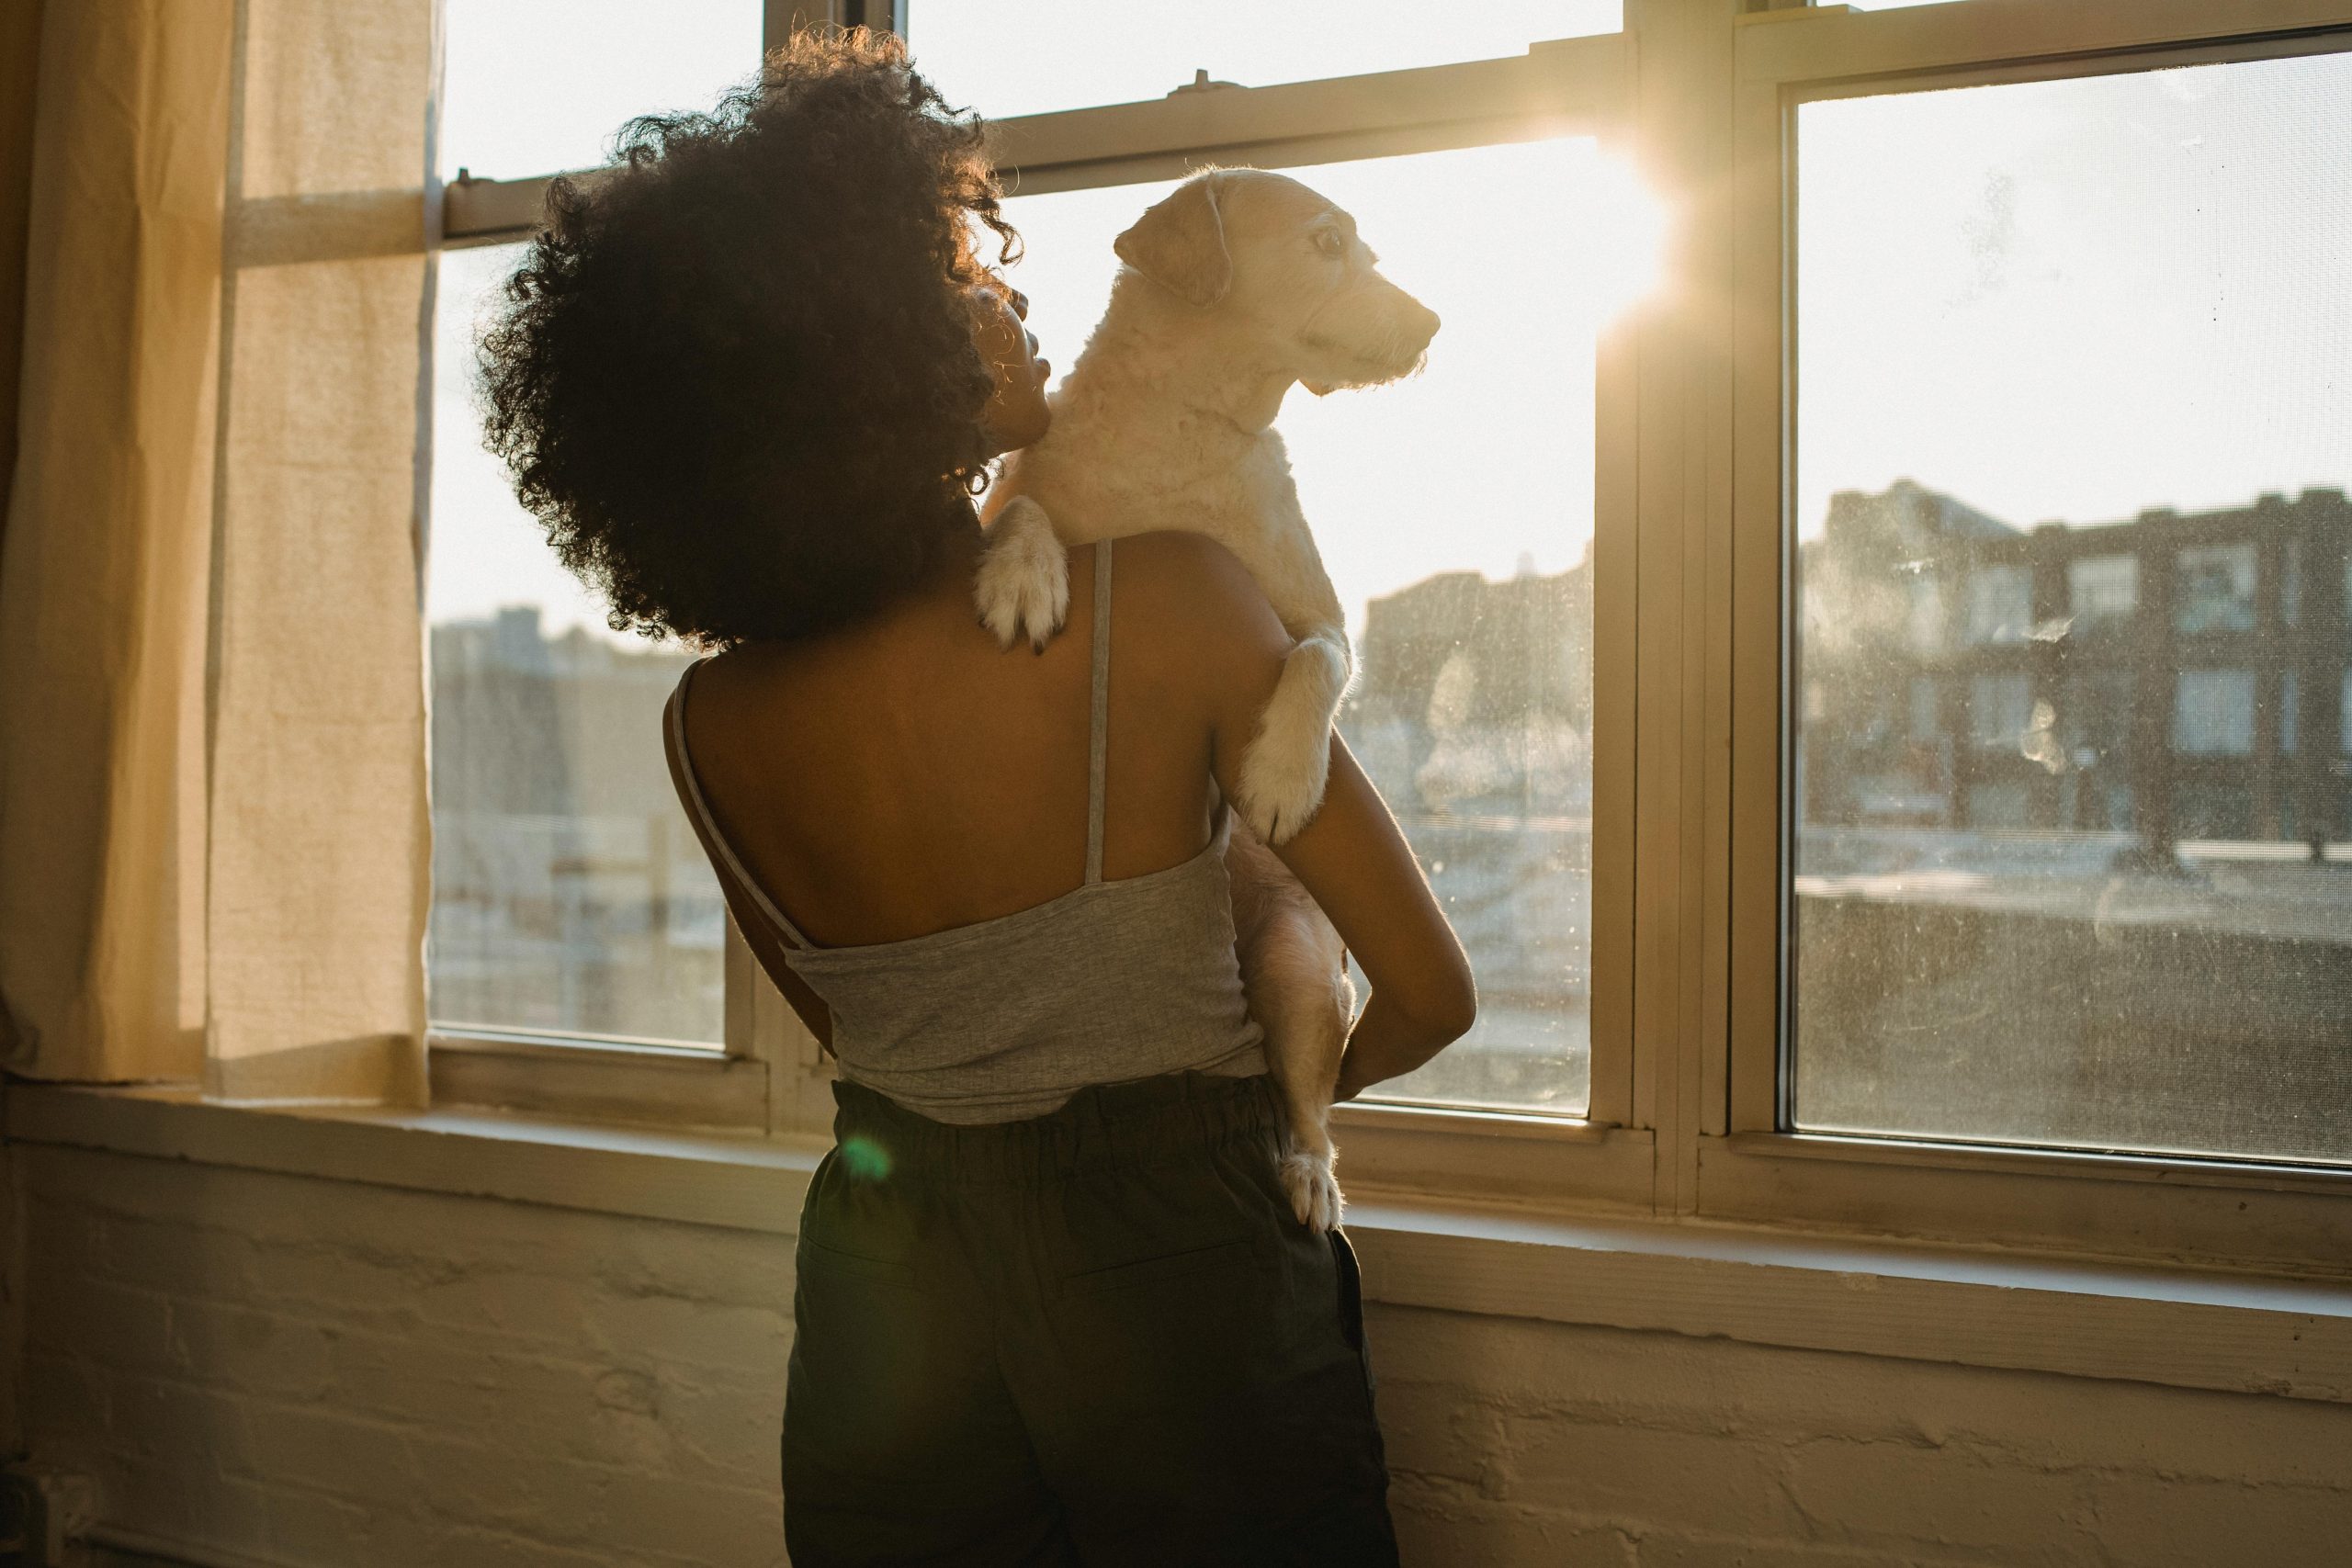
[[2102, 593], [570, 895], [539, 86], [2213, 589], [1005, 58], [2071, 354], [1455, 513]]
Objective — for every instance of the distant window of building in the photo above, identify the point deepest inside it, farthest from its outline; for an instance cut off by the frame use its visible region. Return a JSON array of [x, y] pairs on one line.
[[2213, 713], [2000, 707], [2290, 700], [2213, 589], [2344, 725], [2000, 603], [1926, 721], [2102, 588], [2291, 585], [1926, 614], [2096, 717]]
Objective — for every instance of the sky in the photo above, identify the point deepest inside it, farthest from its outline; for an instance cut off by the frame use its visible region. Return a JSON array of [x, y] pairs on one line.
[[2064, 300], [2070, 300]]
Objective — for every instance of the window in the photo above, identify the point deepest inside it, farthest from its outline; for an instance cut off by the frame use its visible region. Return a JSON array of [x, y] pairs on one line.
[[2111, 979], [2213, 714], [1468, 585], [2214, 589], [2000, 603], [2102, 589], [571, 897], [2000, 707], [1880, 708], [1927, 614]]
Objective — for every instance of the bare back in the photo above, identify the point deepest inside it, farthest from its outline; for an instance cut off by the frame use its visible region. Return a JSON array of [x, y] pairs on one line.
[[906, 776]]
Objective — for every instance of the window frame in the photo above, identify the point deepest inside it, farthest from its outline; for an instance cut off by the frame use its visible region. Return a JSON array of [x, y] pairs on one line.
[[1752, 1167], [770, 1076]]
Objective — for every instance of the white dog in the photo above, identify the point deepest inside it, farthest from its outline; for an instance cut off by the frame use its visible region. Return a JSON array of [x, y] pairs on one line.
[[1237, 284]]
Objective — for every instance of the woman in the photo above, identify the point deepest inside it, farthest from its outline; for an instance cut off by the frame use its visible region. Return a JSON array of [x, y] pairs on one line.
[[1052, 1304]]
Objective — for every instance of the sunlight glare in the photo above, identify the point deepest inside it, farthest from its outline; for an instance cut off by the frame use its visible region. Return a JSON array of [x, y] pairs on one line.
[[1631, 223]]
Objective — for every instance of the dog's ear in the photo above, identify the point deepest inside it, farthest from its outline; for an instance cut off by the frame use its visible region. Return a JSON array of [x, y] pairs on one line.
[[1179, 243]]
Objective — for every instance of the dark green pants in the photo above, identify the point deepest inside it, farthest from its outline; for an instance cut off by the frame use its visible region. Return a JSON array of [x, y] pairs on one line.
[[1094, 1336]]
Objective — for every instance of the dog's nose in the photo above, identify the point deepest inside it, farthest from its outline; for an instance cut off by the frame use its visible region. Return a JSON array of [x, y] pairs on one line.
[[1424, 322]]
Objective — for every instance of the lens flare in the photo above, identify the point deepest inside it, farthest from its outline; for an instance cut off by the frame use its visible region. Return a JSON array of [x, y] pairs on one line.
[[864, 1159], [1630, 224]]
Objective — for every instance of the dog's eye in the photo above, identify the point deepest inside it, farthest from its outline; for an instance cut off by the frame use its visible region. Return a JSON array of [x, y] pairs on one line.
[[1327, 241]]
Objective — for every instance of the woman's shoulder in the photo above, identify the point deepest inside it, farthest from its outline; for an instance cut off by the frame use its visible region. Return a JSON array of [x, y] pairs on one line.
[[1193, 593]]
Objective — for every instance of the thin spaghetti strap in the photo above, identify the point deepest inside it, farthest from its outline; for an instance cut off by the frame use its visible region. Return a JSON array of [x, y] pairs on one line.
[[701, 809], [1099, 721]]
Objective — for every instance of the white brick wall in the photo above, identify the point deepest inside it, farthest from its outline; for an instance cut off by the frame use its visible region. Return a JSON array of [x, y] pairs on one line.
[[333, 1375]]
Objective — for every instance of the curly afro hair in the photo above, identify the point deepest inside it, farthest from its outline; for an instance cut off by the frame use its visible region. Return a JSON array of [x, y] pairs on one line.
[[735, 378]]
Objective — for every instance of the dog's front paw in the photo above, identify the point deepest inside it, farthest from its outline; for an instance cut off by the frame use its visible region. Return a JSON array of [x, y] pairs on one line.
[[1313, 1190], [1022, 586], [1281, 783]]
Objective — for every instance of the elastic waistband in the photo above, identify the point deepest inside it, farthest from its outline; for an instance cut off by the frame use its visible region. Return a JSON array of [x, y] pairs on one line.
[[1136, 1122]]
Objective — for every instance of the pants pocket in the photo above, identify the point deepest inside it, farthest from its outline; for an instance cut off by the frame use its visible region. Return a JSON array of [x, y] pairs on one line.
[[1343, 1254]]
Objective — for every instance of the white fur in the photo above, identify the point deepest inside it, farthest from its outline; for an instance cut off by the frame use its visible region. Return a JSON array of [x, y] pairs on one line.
[[1023, 584], [1237, 286]]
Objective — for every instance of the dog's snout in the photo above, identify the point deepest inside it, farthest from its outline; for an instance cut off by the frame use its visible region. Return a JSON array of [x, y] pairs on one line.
[[1425, 321]]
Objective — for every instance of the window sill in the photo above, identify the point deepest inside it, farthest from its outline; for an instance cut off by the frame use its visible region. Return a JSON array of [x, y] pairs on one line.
[[2237, 1333]]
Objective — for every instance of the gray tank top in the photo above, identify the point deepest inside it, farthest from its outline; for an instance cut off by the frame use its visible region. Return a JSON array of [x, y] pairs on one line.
[[1008, 1018]]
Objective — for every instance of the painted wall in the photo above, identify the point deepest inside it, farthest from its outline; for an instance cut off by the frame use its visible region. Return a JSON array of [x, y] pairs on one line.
[[320, 1374]]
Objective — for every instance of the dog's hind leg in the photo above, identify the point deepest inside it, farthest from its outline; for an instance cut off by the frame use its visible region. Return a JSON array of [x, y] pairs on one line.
[[1023, 585], [1306, 1002], [1294, 976], [1289, 761]]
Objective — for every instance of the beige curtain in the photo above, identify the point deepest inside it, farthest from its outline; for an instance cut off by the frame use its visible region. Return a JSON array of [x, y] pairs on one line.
[[214, 846], [321, 845], [102, 568]]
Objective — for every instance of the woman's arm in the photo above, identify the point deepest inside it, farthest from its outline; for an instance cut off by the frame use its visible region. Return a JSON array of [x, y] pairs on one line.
[[1351, 855], [1353, 858]]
